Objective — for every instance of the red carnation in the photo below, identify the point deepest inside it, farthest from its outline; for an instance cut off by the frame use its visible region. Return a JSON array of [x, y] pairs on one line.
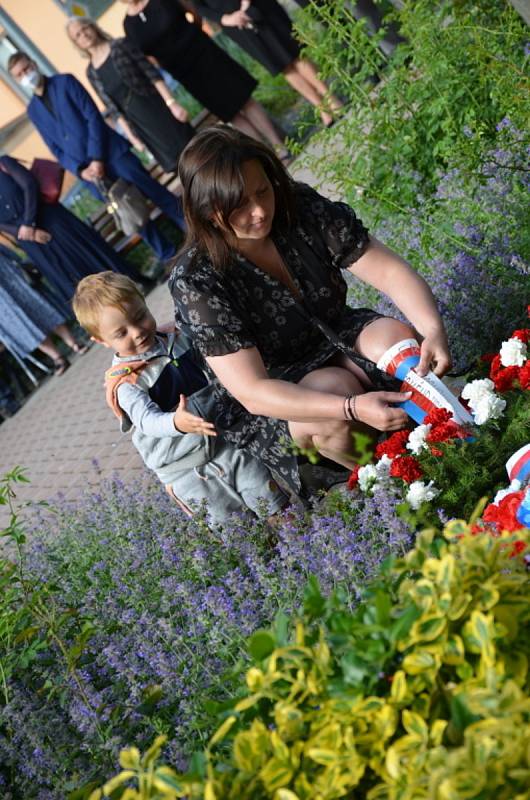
[[495, 367], [503, 514], [393, 446], [407, 468], [445, 432], [438, 417], [505, 379], [523, 334], [353, 480], [524, 375]]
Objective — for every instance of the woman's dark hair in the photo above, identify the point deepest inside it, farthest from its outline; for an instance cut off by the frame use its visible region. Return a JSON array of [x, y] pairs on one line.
[[210, 170]]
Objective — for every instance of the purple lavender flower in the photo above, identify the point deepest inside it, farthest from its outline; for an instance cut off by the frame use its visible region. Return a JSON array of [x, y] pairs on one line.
[[172, 604]]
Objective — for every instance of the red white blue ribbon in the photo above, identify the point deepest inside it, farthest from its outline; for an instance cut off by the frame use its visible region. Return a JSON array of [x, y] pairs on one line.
[[428, 393], [518, 466]]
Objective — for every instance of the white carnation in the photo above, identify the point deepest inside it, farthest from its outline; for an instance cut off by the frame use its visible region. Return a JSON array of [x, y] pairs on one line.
[[483, 401], [474, 391], [488, 407], [417, 437], [420, 492], [514, 486], [367, 477], [513, 353]]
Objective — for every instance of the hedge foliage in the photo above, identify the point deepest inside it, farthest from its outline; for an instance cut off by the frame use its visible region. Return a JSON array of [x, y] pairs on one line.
[[420, 693]]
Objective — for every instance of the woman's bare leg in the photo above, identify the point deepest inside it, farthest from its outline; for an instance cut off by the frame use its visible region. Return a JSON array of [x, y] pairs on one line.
[[308, 70], [253, 120], [259, 118], [303, 77], [64, 333], [331, 438], [375, 339], [299, 84], [48, 347]]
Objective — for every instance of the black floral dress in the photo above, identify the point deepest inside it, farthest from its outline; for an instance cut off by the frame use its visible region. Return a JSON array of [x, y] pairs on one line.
[[244, 307]]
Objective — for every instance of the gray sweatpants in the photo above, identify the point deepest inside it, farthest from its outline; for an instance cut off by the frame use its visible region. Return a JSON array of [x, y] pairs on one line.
[[232, 481]]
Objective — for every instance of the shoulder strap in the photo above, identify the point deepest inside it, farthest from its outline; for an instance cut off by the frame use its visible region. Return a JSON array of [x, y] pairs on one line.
[[115, 376]]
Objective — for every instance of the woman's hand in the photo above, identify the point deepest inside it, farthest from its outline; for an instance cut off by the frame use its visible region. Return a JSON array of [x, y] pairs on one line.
[[26, 233], [96, 169], [434, 354], [185, 422], [238, 19], [42, 236], [374, 409], [178, 112]]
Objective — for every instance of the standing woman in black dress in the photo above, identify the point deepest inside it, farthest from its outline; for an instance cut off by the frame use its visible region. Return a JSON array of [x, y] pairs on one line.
[[263, 29], [133, 91], [160, 29]]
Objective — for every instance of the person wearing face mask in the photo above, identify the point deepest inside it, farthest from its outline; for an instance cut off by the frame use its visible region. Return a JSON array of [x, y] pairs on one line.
[[74, 130]]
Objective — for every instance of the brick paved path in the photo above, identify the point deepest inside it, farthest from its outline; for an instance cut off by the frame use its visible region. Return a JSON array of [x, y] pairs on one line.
[[66, 423]]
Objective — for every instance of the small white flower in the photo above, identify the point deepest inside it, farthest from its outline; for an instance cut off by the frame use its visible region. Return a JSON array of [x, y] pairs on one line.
[[513, 353], [367, 477], [475, 390], [420, 492], [417, 437], [514, 486], [489, 407], [382, 469]]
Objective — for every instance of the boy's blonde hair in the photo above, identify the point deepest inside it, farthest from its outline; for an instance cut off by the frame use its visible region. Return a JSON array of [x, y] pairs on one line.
[[97, 291]]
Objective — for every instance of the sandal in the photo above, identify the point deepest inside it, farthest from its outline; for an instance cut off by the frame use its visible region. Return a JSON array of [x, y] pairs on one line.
[[81, 349], [60, 365]]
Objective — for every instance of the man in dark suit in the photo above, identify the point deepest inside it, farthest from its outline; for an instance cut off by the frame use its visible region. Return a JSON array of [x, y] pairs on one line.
[[74, 130]]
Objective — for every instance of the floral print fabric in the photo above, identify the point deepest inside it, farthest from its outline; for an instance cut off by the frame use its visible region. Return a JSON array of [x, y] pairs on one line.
[[244, 307]]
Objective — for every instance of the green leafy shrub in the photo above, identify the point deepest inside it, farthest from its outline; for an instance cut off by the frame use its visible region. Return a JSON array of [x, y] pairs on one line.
[[461, 70], [120, 619], [422, 692]]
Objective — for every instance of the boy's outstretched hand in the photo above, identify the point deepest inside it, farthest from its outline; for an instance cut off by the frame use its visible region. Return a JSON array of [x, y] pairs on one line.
[[185, 422]]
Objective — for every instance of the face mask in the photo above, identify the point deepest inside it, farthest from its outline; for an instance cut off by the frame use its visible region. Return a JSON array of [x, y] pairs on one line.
[[30, 80]]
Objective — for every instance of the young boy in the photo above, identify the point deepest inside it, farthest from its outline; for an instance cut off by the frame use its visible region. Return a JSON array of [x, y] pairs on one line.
[[153, 382]]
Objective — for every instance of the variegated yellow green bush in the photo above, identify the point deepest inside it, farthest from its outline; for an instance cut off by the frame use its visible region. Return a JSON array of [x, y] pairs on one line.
[[420, 693]]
